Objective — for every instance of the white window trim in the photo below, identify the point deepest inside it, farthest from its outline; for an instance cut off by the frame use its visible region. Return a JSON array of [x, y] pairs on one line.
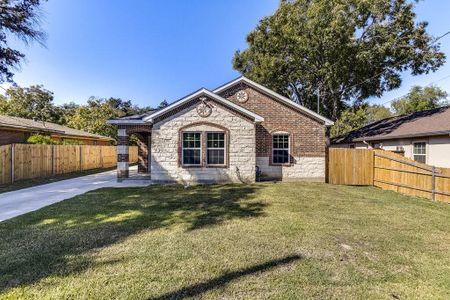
[[426, 150], [224, 149], [188, 148], [289, 148]]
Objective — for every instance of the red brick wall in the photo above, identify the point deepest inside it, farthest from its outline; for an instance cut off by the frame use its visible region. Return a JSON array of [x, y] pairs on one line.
[[307, 134], [11, 137]]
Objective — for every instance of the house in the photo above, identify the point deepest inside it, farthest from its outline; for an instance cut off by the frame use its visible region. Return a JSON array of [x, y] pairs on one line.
[[18, 130], [230, 134], [423, 136]]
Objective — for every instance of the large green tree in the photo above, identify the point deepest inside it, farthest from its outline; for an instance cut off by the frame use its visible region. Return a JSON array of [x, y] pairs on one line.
[[356, 117], [346, 50], [20, 19], [420, 98], [34, 102]]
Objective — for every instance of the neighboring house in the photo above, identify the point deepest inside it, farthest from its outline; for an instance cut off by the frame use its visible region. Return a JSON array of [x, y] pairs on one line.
[[227, 135], [423, 136], [18, 130]]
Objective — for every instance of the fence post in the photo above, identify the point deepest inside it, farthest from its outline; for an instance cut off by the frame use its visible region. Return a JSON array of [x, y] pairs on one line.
[[53, 160], [12, 162], [433, 183], [81, 158]]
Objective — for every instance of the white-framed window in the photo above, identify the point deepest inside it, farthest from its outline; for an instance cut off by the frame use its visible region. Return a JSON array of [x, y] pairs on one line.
[[280, 148], [420, 152], [192, 149], [215, 148]]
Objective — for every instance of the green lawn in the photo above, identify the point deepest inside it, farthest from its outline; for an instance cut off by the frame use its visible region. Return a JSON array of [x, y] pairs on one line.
[[266, 240]]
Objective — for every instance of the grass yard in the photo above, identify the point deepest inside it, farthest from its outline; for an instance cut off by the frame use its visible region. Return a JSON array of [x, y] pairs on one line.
[[266, 240]]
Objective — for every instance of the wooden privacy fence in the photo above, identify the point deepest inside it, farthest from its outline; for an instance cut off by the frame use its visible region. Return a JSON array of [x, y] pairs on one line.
[[388, 171], [26, 161]]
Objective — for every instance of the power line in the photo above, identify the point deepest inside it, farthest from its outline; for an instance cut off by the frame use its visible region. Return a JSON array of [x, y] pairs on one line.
[[429, 84], [400, 62]]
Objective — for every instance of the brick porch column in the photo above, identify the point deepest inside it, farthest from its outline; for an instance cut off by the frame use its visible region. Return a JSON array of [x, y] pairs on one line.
[[122, 155]]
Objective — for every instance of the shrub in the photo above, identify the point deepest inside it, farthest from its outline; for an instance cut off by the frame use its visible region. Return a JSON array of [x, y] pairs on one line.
[[41, 139]]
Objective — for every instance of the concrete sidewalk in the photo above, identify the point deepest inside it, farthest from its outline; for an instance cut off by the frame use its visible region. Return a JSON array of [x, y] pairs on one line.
[[19, 202]]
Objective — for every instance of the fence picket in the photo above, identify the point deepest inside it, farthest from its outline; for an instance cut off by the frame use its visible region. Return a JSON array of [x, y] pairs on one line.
[[26, 161], [388, 171]]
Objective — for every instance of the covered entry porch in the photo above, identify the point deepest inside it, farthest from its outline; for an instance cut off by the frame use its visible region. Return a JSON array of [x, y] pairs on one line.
[[141, 135]]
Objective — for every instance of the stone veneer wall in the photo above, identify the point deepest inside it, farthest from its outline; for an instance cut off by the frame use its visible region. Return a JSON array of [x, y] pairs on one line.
[[303, 168], [165, 153]]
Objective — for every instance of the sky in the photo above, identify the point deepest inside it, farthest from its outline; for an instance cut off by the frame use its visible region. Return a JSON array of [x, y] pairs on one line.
[[148, 50]]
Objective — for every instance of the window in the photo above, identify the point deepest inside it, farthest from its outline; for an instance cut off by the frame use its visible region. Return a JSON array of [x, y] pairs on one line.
[[192, 149], [420, 152], [215, 148], [280, 149]]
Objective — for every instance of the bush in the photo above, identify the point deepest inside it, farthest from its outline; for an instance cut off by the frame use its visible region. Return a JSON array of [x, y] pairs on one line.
[[41, 139], [72, 142]]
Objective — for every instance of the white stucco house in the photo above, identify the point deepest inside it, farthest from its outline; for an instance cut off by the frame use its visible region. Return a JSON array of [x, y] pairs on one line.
[[422, 136]]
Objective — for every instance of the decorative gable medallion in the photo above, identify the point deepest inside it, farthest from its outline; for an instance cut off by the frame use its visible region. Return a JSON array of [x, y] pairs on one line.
[[204, 110], [242, 96]]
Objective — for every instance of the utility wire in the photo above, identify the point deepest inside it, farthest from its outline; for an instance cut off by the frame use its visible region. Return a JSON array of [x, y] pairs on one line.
[[376, 75], [429, 84]]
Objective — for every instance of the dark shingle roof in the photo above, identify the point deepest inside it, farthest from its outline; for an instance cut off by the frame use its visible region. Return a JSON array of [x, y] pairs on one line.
[[27, 124], [423, 123]]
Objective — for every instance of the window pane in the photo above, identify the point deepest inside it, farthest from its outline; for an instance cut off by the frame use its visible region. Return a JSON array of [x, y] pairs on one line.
[[280, 156], [420, 158], [216, 156], [281, 141], [191, 140], [191, 157], [216, 140], [419, 148]]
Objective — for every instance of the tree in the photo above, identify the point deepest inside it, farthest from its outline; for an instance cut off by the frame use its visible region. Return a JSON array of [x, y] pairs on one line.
[[19, 18], [355, 118], [420, 98], [163, 104], [346, 50], [93, 117], [350, 119], [377, 112], [34, 102]]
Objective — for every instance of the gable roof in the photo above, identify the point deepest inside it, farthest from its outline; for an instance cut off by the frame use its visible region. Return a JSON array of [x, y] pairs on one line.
[[277, 96], [423, 123], [52, 128], [204, 92]]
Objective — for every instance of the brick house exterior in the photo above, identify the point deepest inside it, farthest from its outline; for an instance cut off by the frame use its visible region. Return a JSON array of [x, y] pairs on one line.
[[251, 123]]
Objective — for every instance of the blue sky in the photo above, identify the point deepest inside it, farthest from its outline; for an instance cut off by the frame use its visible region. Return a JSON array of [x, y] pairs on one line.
[[148, 51]]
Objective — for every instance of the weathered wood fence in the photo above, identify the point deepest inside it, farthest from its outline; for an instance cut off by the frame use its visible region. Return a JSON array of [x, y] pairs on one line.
[[26, 161], [388, 171]]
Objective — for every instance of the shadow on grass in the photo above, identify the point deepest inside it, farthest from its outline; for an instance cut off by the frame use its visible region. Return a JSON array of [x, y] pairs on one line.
[[200, 288], [56, 240]]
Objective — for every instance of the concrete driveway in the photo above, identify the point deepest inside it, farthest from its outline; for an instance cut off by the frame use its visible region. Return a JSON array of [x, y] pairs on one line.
[[19, 202]]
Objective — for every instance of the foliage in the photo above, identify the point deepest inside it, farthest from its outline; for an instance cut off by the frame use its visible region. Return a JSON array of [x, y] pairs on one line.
[[348, 49], [18, 18], [93, 116], [32, 102], [71, 142], [355, 118], [376, 112], [163, 104], [420, 98], [41, 139]]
